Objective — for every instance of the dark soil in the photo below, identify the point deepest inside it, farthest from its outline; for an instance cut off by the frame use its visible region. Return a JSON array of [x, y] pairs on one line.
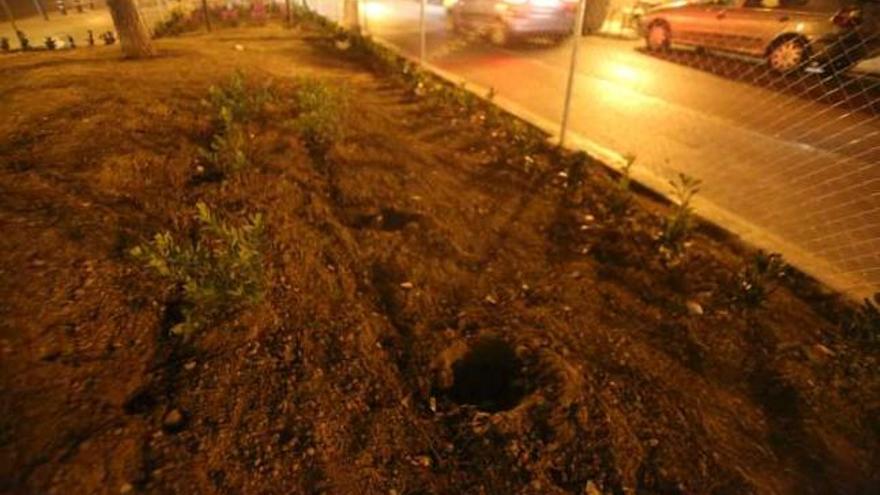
[[442, 316]]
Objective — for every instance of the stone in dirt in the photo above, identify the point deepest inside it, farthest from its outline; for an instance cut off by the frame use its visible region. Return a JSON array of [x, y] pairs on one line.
[[173, 421], [591, 489], [694, 308]]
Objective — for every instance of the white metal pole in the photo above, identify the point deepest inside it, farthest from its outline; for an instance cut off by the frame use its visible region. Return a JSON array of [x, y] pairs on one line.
[[422, 34], [578, 30], [366, 26]]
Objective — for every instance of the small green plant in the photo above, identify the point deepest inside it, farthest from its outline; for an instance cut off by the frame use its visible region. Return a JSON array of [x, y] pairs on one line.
[[173, 26], [233, 104], [621, 195], [321, 109], [414, 79], [492, 117], [679, 223], [243, 101], [760, 278], [864, 322], [228, 150], [218, 274]]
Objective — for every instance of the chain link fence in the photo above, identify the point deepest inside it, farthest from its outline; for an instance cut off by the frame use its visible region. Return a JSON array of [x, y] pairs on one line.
[[772, 104]]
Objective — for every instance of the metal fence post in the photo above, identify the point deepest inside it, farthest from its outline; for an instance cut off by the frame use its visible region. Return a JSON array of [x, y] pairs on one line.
[[366, 26], [578, 29], [422, 35]]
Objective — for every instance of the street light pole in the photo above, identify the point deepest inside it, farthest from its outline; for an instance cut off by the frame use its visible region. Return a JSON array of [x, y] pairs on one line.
[[422, 35], [578, 29]]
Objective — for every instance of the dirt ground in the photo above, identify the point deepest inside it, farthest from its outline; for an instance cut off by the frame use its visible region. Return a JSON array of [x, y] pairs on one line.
[[441, 317]]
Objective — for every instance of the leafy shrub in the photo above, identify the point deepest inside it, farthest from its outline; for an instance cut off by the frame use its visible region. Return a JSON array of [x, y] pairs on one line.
[[228, 151], [232, 105], [864, 322], [244, 101], [302, 13], [679, 223], [493, 117], [518, 143], [23, 40], [321, 109], [760, 278], [621, 195], [175, 25], [218, 275]]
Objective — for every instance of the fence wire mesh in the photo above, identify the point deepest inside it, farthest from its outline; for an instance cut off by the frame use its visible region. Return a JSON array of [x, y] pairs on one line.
[[773, 104]]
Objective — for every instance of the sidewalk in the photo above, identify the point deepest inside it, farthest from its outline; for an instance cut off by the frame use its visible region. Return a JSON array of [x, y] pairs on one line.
[[77, 24]]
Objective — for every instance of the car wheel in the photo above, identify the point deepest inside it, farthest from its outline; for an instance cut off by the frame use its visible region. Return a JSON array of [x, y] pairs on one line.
[[499, 35], [787, 55], [657, 38]]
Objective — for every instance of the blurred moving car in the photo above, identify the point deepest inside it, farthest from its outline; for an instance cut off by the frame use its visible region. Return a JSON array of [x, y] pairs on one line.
[[503, 21], [788, 34]]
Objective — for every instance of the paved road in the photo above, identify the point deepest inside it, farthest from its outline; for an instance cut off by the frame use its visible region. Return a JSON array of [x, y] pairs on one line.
[[794, 162]]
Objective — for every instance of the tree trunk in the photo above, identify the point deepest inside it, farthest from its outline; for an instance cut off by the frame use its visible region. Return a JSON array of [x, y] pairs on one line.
[[133, 35], [351, 18]]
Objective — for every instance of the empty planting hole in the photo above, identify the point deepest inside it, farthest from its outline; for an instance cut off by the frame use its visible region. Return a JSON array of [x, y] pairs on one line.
[[388, 219], [488, 376]]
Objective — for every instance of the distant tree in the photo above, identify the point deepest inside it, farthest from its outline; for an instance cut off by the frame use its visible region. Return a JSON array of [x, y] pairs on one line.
[[133, 35]]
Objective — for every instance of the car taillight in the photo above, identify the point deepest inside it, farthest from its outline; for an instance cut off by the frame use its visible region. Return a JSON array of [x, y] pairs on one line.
[[848, 17]]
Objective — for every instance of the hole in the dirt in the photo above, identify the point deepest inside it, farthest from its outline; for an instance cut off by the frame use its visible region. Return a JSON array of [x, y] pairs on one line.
[[171, 316], [141, 401], [388, 219], [489, 376], [391, 219]]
